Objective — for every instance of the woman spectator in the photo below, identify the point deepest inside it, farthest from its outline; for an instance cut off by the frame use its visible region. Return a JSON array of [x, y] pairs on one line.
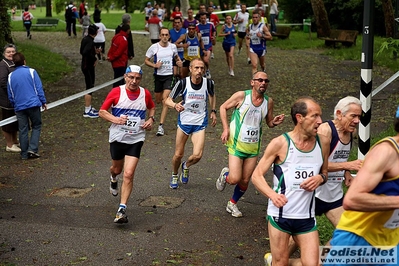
[[273, 15], [9, 131], [176, 13]]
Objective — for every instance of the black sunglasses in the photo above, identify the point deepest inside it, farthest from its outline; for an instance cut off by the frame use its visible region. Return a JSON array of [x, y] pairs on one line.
[[260, 80]]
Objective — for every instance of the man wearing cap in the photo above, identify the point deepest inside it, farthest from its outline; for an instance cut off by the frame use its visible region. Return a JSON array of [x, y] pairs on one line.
[[160, 56], [129, 104], [118, 53], [89, 61], [126, 18]]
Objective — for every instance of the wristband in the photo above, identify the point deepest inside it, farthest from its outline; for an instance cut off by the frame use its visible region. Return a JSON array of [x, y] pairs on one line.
[[152, 117], [324, 178], [214, 111]]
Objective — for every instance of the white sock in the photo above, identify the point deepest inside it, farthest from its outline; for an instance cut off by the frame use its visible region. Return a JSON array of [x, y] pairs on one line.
[[87, 109]]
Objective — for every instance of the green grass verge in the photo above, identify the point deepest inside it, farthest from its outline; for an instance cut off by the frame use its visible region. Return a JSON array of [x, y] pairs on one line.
[[110, 19], [51, 67]]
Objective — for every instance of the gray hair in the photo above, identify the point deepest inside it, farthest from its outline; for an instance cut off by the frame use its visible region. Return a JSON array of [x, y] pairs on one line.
[[344, 104], [9, 45], [126, 18]]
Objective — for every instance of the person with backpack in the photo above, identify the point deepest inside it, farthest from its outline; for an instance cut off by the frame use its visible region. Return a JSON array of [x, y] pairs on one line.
[[27, 19], [70, 18]]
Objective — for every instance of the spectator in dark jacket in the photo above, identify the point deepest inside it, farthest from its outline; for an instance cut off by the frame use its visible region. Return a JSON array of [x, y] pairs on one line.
[[118, 53], [89, 61], [7, 110], [25, 92]]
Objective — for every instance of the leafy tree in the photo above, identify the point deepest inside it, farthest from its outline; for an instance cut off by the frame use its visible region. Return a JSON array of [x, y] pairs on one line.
[[342, 14]]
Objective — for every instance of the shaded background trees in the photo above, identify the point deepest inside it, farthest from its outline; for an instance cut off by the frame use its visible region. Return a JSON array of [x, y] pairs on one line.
[[342, 14]]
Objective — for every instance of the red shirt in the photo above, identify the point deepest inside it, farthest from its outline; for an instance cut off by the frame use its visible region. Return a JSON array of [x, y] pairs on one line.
[[114, 95], [118, 52], [154, 20], [176, 14], [214, 19]]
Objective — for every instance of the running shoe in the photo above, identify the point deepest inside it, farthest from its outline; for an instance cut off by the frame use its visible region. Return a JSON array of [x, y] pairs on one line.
[[160, 131], [232, 208], [93, 113], [221, 181], [174, 182], [185, 173], [121, 217], [113, 187], [33, 155], [268, 259]]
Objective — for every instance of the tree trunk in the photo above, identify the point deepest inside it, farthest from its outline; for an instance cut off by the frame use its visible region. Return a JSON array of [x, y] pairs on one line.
[[389, 17], [321, 18], [167, 7], [184, 5], [48, 8], [5, 24]]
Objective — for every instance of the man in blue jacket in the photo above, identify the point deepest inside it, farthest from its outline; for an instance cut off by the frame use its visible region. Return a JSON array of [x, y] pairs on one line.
[[25, 92]]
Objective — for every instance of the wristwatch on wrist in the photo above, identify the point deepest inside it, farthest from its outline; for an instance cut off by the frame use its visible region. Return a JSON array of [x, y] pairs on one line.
[[152, 117], [214, 111]]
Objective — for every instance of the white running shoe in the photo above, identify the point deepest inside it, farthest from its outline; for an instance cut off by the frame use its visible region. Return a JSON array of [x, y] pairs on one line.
[[232, 208], [174, 181], [221, 181], [268, 259], [160, 131], [113, 187]]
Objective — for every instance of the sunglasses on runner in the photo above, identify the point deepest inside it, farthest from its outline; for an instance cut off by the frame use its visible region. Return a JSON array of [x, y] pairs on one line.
[[260, 80]]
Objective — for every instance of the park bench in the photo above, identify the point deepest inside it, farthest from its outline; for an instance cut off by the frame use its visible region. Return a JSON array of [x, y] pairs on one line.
[[46, 22], [283, 32], [346, 37]]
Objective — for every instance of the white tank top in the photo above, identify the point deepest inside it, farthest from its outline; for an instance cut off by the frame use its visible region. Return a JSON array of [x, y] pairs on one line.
[[132, 132], [297, 166], [195, 105], [332, 190]]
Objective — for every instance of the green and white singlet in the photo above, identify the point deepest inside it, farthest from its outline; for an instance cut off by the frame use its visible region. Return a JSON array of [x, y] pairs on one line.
[[246, 126]]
